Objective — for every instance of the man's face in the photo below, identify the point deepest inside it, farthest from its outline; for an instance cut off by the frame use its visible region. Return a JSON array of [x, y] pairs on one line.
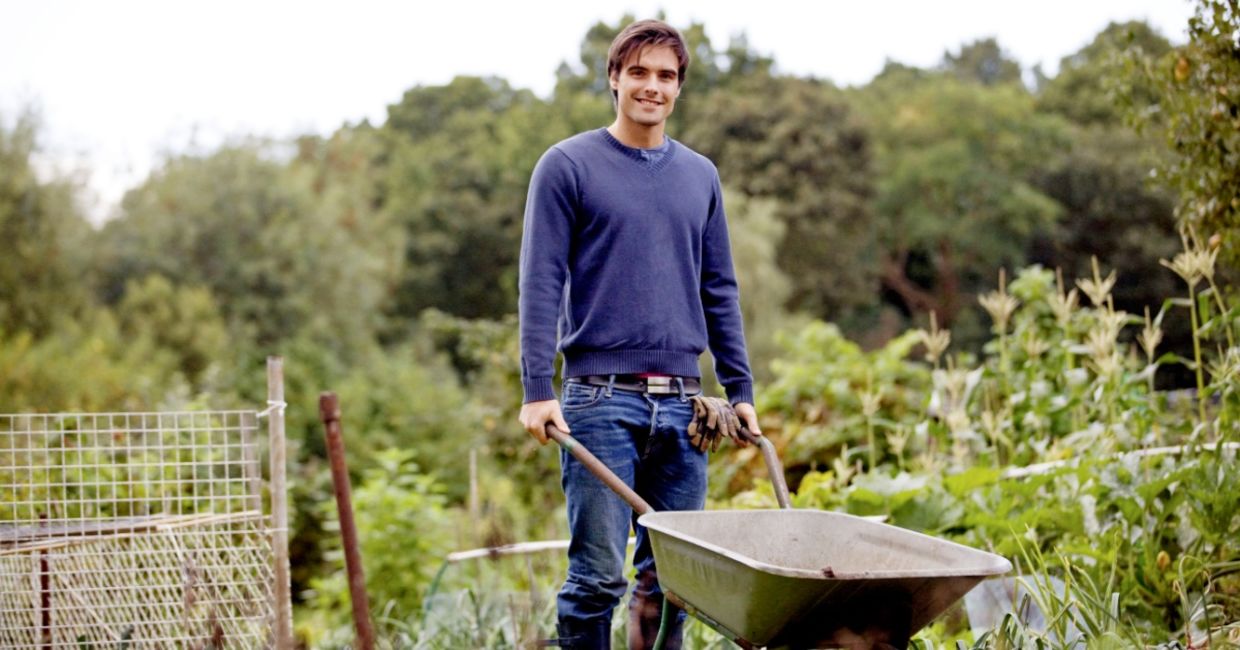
[[647, 86]]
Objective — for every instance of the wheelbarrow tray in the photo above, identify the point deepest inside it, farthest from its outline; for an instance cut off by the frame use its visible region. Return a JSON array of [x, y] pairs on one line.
[[804, 577]]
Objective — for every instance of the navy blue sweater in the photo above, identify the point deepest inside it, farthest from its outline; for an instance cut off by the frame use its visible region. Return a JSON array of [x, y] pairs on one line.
[[628, 262]]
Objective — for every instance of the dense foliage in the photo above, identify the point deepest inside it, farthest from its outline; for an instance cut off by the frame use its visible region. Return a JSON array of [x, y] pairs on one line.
[[1031, 452], [1198, 115], [897, 376]]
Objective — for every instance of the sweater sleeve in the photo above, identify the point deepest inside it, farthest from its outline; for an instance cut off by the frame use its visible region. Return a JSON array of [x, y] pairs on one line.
[[545, 242], [721, 302]]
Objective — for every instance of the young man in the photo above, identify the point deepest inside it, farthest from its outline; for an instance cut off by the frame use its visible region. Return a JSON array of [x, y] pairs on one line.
[[626, 265]]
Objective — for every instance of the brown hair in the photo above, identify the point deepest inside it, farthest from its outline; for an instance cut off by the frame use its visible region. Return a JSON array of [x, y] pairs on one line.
[[646, 33]]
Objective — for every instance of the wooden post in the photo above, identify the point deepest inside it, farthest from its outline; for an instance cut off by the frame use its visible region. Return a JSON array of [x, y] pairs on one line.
[[279, 504], [329, 412]]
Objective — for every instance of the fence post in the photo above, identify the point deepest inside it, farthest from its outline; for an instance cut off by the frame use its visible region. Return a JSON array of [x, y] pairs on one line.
[[329, 412], [279, 503]]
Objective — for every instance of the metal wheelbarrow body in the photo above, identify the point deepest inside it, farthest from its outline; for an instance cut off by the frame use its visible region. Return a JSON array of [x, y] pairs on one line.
[[800, 578], [806, 578]]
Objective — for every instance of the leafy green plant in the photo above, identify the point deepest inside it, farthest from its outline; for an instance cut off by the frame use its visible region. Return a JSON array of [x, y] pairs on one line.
[[404, 529], [1036, 451]]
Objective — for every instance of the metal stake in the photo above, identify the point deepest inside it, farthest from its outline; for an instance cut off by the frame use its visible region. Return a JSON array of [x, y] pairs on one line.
[[329, 412], [45, 593]]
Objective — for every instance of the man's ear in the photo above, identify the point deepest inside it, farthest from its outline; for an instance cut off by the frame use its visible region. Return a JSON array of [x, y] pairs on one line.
[[614, 80]]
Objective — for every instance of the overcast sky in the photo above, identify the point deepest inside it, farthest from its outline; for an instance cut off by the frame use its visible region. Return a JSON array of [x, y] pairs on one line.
[[119, 83]]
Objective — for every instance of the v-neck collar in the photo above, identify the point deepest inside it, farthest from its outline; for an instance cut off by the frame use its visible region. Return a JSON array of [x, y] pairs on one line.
[[637, 155]]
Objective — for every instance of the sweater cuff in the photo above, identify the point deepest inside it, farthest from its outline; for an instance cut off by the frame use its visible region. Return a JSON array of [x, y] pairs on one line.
[[537, 389], [741, 391]]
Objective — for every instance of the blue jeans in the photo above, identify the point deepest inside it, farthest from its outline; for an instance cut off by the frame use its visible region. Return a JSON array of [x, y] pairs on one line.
[[643, 439]]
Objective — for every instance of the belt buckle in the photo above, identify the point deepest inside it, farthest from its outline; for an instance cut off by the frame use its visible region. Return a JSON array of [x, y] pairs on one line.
[[659, 385]]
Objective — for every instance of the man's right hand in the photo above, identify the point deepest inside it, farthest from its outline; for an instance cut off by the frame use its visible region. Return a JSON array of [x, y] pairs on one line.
[[535, 416]]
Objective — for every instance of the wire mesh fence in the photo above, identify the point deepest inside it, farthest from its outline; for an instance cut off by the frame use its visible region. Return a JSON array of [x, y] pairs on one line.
[[128, 530]]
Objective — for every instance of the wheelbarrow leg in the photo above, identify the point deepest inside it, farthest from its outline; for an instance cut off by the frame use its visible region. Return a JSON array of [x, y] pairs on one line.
[[670, 599]]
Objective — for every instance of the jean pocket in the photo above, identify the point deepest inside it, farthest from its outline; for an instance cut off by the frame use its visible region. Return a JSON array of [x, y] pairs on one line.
[[579, 396]]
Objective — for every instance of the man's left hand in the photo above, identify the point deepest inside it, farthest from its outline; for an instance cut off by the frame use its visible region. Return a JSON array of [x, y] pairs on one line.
[[749, 417], [715, 419]]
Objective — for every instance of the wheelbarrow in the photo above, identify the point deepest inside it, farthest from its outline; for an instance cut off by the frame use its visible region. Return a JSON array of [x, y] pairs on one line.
[[798, 578]]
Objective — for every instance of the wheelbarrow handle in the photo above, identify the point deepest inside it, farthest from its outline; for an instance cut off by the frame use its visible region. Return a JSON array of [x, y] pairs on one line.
[[774, 468], [598, 469]]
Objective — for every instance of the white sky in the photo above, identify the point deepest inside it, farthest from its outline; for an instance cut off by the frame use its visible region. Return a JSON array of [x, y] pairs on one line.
[[120, 83]]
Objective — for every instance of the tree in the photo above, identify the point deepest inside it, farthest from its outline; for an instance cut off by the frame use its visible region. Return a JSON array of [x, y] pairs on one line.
[[1085, 87], [456, 184], [201, 221], [182, 322], [284, 248], [86, 364], [350, 249], [589, 75], [984, 62], [756, 233], [954, 197], [1101, 179], [1197, 111], [41, 270], [799, 143], [1109, 211], [424, 111]]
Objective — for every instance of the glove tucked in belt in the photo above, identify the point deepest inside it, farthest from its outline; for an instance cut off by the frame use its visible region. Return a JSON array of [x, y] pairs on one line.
[[713, 419]]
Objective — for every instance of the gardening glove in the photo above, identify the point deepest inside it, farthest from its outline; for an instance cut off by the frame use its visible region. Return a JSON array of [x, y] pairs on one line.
[[713, 420]]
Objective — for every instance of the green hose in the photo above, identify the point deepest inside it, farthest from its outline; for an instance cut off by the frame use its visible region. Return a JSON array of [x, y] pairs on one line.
[[665, 622]]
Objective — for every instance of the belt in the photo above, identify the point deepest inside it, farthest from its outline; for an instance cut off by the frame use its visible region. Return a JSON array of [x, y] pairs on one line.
[[651, 385]]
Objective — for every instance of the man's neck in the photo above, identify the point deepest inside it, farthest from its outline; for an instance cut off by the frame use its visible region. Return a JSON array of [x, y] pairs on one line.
[[637, 136]]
